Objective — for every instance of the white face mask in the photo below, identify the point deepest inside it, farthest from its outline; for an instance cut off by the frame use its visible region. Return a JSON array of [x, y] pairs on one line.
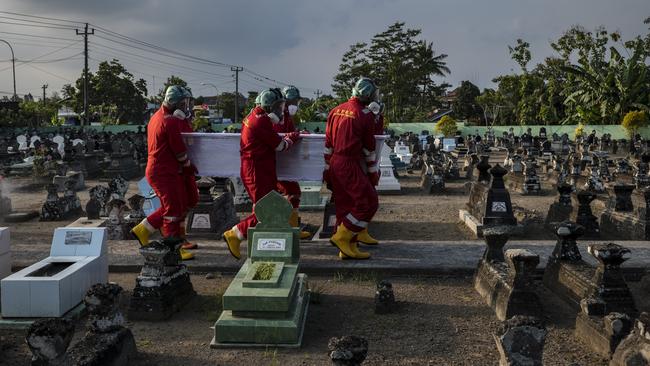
[[274, 118], [374, 107], [180, 114], [293, 109]]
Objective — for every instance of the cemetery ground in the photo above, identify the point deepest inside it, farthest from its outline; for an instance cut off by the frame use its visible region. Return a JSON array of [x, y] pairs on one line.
[[439, 321], [411, 215]]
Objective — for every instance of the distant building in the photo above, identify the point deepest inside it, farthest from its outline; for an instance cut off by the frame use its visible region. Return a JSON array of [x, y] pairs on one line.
[[448, 99], [69, 116]]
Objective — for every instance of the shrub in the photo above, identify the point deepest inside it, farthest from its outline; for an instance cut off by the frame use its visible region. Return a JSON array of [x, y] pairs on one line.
[[447, 126], [579, 131], [634, 120]]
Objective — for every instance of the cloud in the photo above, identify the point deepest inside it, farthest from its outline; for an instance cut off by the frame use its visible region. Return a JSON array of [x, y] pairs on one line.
[[301, 42]]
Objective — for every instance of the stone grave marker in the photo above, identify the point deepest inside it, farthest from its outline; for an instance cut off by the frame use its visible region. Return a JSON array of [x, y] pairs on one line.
[[607, 311], [211, 216], [266, 303], [505, 283], [585, 217], [387, 181], [163, 285]]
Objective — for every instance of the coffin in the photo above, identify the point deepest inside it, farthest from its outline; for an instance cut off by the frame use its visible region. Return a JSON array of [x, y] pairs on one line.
[[217, 155]]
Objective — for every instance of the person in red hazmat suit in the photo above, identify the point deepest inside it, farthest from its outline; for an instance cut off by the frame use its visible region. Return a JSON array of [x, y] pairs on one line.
[[351, 169], [167, 167], [291, 190], [258, 145], [191, 189]]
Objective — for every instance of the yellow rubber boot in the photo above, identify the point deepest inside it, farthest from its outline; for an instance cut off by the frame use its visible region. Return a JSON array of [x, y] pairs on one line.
[[142, 231], [186, 255], [294, 221], [233, 240], [364, 237], [359, 254], [342, 239], [187, 244]]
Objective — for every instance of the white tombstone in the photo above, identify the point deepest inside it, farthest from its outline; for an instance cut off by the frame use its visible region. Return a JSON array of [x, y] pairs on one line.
[[387, 180], [60, 144], [22, 142], [50, 288], [32, 140], [151, 200], [5, 254], [403, 153], [448, 144], [76, 142]]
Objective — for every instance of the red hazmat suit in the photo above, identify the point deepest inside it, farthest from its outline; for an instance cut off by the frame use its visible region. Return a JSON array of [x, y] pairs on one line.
[[349, 140], [165, 151], [257, 151], [289, 189]]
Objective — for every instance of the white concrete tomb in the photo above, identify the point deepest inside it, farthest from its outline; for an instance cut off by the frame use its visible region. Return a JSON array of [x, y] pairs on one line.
[[50, 288]]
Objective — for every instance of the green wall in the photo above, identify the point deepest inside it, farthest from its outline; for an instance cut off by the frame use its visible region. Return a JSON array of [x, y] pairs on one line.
[[616, 131]]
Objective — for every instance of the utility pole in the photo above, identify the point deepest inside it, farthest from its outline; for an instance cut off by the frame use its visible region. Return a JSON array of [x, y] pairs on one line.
[[13, 65], [236, 69], [85, 34], [43, 117], [318, 92], [44, 87]]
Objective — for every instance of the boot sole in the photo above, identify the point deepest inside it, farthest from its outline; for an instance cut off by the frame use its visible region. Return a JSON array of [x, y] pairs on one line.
[[364, 243], [228, 245], [334, 244], [348, 258]]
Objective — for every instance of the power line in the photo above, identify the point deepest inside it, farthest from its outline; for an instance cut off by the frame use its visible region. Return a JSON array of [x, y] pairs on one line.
[[41, 56], [159, 61], [36, 25], [38, 36], [33, 21], [40, 17], [50, 73], [196, 59]]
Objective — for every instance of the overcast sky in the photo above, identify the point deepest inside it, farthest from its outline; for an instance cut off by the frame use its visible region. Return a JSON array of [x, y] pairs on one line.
[[297, 42]]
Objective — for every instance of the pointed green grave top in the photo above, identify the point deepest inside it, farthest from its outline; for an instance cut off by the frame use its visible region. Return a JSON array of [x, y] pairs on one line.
[[273, 212], [273, 239]]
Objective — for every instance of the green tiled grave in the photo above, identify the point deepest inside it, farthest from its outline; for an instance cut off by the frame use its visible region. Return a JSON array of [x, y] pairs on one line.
[[266, 312]]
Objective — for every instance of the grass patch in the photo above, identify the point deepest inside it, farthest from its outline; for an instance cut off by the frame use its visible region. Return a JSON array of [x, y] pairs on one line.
[[264, 271]]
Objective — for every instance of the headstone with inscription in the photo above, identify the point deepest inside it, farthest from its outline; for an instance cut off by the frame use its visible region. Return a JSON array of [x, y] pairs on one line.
[[266, 303]]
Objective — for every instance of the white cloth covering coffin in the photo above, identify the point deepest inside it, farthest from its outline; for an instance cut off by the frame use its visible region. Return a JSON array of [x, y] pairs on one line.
[[217, 155]]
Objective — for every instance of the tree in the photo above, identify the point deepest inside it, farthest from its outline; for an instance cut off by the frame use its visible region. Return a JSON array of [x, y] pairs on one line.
[[112, 92], [447, 126], [402, 66], [466, 106], [172, 80], [316, 110], [594, 78], [520, 53], [634, 120], [250, 102], [227, 103]]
